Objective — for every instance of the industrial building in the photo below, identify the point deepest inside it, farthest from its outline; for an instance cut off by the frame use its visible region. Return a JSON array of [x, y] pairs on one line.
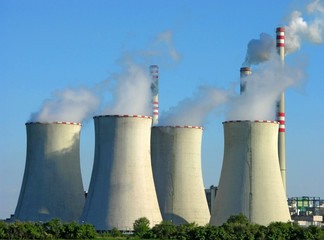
[[141, 169], [250, 181], [176, 163], [52, 184], [122, 187]]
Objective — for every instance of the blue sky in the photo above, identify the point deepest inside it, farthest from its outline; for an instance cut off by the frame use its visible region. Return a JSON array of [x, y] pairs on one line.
[[52, 45]]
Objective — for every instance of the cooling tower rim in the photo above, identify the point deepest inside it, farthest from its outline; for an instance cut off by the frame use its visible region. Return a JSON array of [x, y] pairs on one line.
[[252, 121], [125, 115], [178, 126], [66, 123]]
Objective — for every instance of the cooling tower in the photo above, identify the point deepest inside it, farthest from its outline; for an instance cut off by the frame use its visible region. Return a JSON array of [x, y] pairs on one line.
[[154, 71], [250, 181], [52, 184], [244, 72], [281, 110], [176, 163], [122, 187]]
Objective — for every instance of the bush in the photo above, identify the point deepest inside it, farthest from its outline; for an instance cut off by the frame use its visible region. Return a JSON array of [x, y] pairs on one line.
[[164, 230], [3, 229], [115, 232], [141, 226]]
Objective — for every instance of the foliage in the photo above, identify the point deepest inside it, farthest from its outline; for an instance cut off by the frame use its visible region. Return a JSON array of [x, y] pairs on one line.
[[141, 226], [237, 227], [115, 232], [49, 230], [164, 230]]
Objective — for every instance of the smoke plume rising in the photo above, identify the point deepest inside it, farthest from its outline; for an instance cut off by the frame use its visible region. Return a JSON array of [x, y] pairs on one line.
[[193, 111], [131, 90], [264, 87], [300, 29], [73, 105], [259, 50]]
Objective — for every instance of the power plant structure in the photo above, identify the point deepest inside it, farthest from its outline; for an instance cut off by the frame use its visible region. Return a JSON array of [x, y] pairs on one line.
[[154, 71], [244, 72], [250, 181], [280, 31], [52, 184], [176, 163], [122, 187]]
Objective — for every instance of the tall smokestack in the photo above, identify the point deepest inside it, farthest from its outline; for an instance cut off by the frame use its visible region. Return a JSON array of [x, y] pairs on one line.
[[154, 71], [250, 181], [244, 72], [176, 163], [281, 110], [52, 184], [122, 187]]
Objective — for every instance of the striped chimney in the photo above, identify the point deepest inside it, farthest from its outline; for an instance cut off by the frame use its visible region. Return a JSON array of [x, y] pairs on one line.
[[154, 71], [244, 72], [280, 31]]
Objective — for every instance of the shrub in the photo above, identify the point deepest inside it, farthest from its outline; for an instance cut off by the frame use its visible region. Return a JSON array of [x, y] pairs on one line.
[[141, 226], [164, 230]]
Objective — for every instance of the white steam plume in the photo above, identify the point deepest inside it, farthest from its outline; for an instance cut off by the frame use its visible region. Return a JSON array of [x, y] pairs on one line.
[[299, 29], [131, 90], [193, 111], [259, 50], [264, 87], [72, 105]]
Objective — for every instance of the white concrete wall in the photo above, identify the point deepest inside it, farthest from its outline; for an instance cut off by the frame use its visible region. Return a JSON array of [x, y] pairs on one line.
[[52, 184], [121, 188], [250, 181], [176, 163]]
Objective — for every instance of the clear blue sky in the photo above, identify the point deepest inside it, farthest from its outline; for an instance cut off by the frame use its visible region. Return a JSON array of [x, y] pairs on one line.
[[50, 45]]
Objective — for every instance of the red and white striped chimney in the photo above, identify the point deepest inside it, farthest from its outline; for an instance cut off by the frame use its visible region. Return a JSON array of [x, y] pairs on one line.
[[244, 72], [154, 71], [280, 32]]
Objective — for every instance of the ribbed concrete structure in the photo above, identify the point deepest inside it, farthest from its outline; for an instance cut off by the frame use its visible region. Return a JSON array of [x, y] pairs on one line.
[[52, 184], [154, 71], [122, 187], [244, 72], [176, 163], [250, 181], [281, 109]]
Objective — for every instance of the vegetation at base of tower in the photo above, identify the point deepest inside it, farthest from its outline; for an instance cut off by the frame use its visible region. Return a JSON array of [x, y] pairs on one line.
[[237, 227], [53, 229]]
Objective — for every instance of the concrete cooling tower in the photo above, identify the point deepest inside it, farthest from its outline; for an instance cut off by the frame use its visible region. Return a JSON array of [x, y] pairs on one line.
[[250, 181], [52, 184], [176, 163], [122, 187]]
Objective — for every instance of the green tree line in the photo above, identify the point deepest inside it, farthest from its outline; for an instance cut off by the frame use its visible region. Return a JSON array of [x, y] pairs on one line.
[[53, 229], [236, 228]]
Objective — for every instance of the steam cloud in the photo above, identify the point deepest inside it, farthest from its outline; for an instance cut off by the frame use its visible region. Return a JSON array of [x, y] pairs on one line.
[[131, 90], [259, 50], [74, 105], [265, 85], [299, 29], [193, 111]]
